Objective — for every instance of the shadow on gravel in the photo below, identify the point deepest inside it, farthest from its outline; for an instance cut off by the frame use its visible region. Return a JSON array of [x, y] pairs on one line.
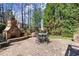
[[3, 42], [72, 50], [5, 45]]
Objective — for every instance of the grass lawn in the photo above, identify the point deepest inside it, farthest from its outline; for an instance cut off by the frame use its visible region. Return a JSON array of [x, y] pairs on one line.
[[51, 37]]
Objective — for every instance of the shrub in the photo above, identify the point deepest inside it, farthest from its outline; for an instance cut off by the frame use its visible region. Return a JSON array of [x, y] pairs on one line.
[[2, 27], [28, 31]]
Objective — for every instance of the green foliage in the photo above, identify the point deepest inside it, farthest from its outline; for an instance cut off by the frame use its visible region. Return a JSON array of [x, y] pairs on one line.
[[61, 19], [2, 27], [36, 18]]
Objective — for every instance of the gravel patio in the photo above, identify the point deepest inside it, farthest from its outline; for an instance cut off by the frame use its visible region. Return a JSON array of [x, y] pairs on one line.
[[30, 47]]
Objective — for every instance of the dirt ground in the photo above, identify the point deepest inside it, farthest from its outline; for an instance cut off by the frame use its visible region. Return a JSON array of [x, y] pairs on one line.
[[30, 47]]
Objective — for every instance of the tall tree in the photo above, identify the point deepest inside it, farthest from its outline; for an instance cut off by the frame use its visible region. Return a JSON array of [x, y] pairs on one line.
[[22, 14], [37, 17], [63, 18], [1, 12]]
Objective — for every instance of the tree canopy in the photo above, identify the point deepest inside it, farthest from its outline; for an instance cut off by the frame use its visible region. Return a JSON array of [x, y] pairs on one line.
[[61, 19], [36, 17]]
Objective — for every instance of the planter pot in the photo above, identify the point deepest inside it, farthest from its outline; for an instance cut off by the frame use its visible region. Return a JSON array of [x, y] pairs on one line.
[[43, 37]]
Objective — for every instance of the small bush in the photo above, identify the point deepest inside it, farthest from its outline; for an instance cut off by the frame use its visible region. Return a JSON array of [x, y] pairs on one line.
[[28, 31], [2, 27]]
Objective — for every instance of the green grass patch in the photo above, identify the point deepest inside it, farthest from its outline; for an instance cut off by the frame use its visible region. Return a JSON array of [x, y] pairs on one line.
[[53, 37]]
